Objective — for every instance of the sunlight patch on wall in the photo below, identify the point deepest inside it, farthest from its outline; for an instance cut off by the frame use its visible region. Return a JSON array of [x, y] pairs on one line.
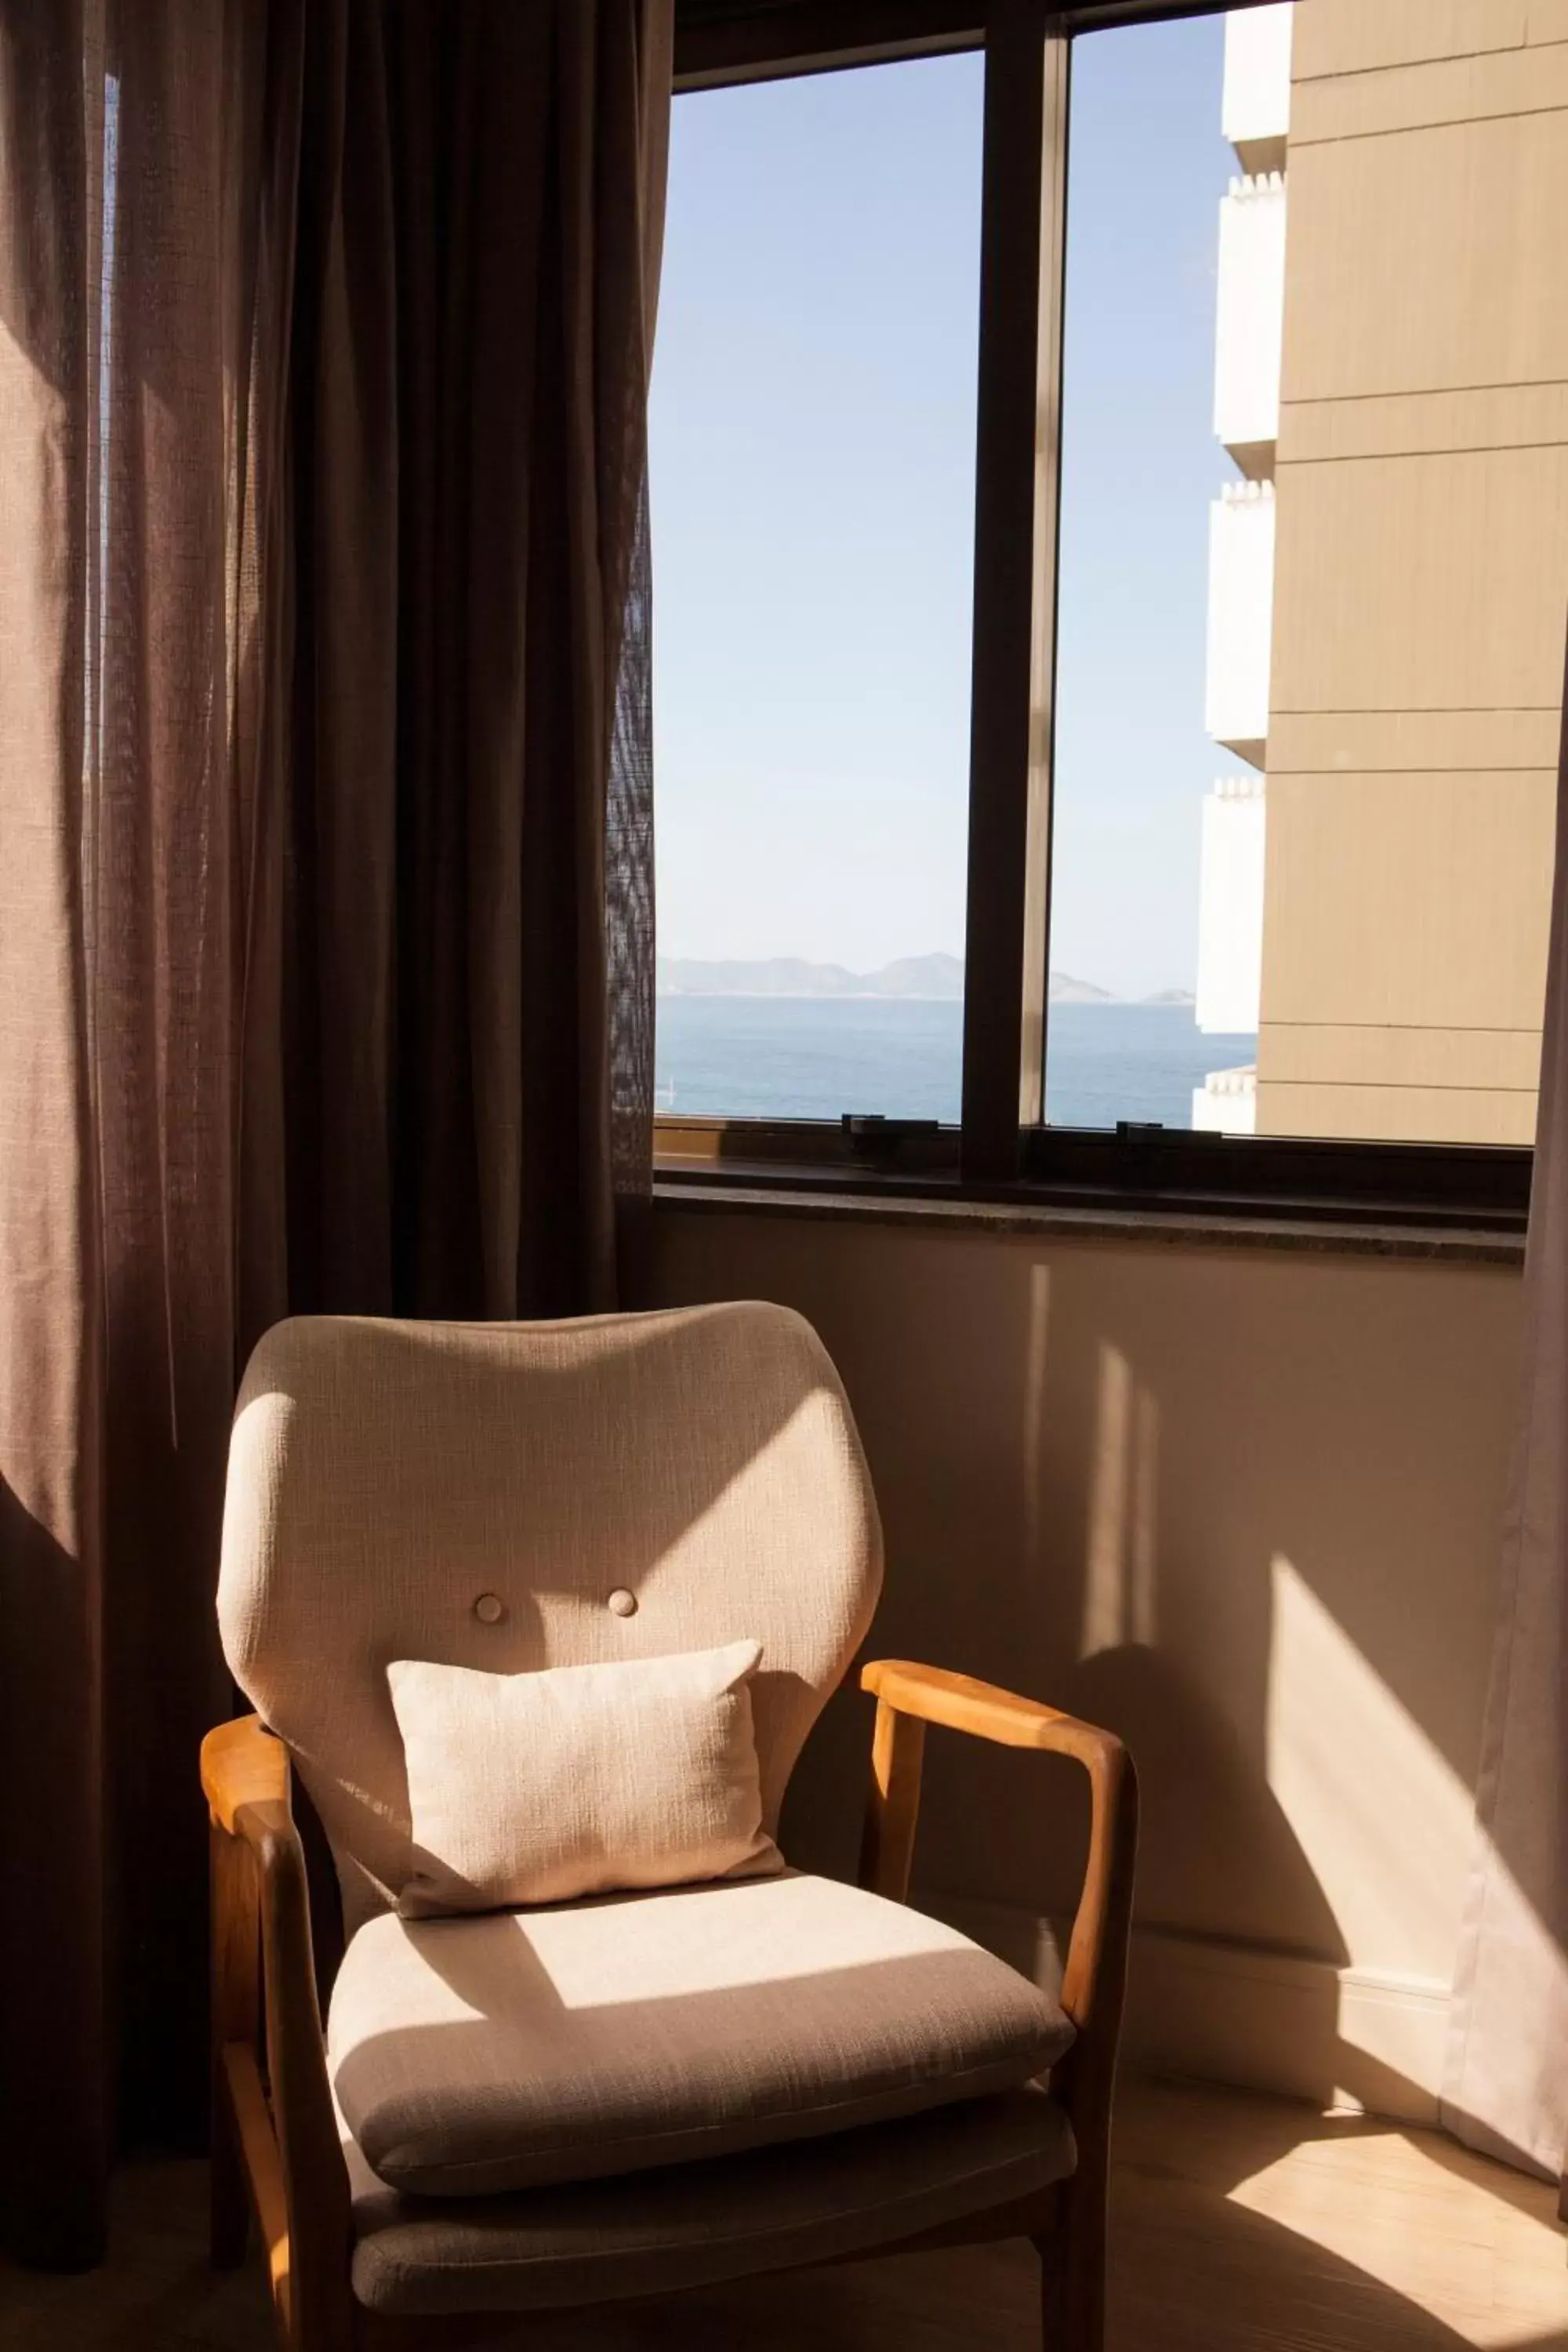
[[1120, 1564], [1382, 1818], [1035, 1412]]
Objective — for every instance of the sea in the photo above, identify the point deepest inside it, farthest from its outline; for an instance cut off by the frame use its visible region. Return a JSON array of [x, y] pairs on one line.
[[815, 1057]]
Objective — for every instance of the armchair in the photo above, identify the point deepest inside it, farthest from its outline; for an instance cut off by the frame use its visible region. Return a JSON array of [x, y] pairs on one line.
[[432, 1435]]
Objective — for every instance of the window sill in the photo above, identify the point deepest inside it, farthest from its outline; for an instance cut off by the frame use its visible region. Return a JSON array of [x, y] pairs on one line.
[[1226, 1229]]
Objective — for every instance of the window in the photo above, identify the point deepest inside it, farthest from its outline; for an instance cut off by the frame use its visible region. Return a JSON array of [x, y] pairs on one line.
[[1262, 660], [1312, 502], [1141, 469], [812, 468]]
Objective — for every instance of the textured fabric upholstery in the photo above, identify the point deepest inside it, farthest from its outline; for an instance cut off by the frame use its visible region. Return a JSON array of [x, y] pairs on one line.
[[474, 1494], [695, 2223], [470, 2056], [539, 1788]]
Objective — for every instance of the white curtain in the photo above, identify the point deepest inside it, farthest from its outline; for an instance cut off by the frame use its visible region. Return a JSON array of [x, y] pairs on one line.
[[1507, 2084]]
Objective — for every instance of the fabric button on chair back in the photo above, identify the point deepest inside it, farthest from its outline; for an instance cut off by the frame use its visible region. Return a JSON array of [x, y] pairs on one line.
[[391, 1483]]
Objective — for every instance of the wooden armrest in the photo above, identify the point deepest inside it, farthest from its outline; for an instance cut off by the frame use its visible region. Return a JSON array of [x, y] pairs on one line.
[[282, 2115], [243, 1764], [962, 1704], [1094, 1982], [909, 1697]]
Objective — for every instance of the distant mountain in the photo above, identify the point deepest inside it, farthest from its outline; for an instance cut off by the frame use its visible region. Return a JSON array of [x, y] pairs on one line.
[[932, 977], [777, 976], [1064, 989], [927, 975]]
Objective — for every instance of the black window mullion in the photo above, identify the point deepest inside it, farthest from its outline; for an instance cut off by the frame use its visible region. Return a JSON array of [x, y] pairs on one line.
[[1015, 567]]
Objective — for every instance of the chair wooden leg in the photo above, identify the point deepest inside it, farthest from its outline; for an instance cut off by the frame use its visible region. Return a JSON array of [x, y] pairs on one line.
[[1073, 2266], [236, 2011], [229, 2198]]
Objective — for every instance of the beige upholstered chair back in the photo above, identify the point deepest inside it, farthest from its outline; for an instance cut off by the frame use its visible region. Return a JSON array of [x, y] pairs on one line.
[[519, 1495]]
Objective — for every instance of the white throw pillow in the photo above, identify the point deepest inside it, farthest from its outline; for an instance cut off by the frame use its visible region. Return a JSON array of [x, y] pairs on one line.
[[538, 1787]]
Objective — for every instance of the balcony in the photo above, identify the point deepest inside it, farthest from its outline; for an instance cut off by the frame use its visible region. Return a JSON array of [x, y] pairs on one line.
[[1249, 321], [1230, 916], [1240, 618], [1226, 1102], [1255, 108]]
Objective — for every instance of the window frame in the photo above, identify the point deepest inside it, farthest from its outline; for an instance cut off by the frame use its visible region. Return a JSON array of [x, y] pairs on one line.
[[1002, 1148]]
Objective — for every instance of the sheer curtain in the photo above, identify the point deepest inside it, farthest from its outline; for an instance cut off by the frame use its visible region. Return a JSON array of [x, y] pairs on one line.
[[1507, 2079], [325, 839]]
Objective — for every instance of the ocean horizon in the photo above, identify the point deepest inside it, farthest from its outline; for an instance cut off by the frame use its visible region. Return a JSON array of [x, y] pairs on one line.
[[787, 1056]]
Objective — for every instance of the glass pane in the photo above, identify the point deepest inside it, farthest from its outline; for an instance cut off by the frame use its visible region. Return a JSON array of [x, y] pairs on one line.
[[1314, 568], [812, 474]]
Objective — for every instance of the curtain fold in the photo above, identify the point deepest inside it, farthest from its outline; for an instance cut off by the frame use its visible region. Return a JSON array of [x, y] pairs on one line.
[[325, 848], [51, 1758], [1505, 2083]]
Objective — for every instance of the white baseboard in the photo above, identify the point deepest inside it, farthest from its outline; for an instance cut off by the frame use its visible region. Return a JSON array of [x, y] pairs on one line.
[[1227, 2012]]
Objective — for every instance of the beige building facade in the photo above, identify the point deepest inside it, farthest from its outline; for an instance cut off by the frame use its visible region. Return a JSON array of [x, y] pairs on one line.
[[1420, 568]]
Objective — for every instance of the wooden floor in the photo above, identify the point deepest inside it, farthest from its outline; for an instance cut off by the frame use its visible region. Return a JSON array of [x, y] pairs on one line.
[[1240, 2224]]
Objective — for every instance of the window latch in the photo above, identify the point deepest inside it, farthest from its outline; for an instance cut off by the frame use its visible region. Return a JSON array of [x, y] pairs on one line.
[[872, 1136]]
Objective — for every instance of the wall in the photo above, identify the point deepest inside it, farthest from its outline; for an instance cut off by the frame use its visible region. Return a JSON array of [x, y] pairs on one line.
[[1243, 1505]]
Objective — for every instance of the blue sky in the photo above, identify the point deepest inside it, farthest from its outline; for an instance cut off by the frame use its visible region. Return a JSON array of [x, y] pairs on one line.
[[812, 466]]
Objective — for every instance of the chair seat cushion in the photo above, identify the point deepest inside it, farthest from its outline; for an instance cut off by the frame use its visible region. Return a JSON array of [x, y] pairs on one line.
[[476, 2056], [688, 2225]]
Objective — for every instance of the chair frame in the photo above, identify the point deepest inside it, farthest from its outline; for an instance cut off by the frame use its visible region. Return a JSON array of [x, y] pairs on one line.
[[275, 2146]]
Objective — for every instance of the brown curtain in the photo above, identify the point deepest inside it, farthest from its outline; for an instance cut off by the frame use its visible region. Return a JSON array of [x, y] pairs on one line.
[[325, 844]]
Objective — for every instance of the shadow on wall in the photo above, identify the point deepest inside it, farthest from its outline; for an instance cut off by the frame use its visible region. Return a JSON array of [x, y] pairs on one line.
[[1244, 1507]]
